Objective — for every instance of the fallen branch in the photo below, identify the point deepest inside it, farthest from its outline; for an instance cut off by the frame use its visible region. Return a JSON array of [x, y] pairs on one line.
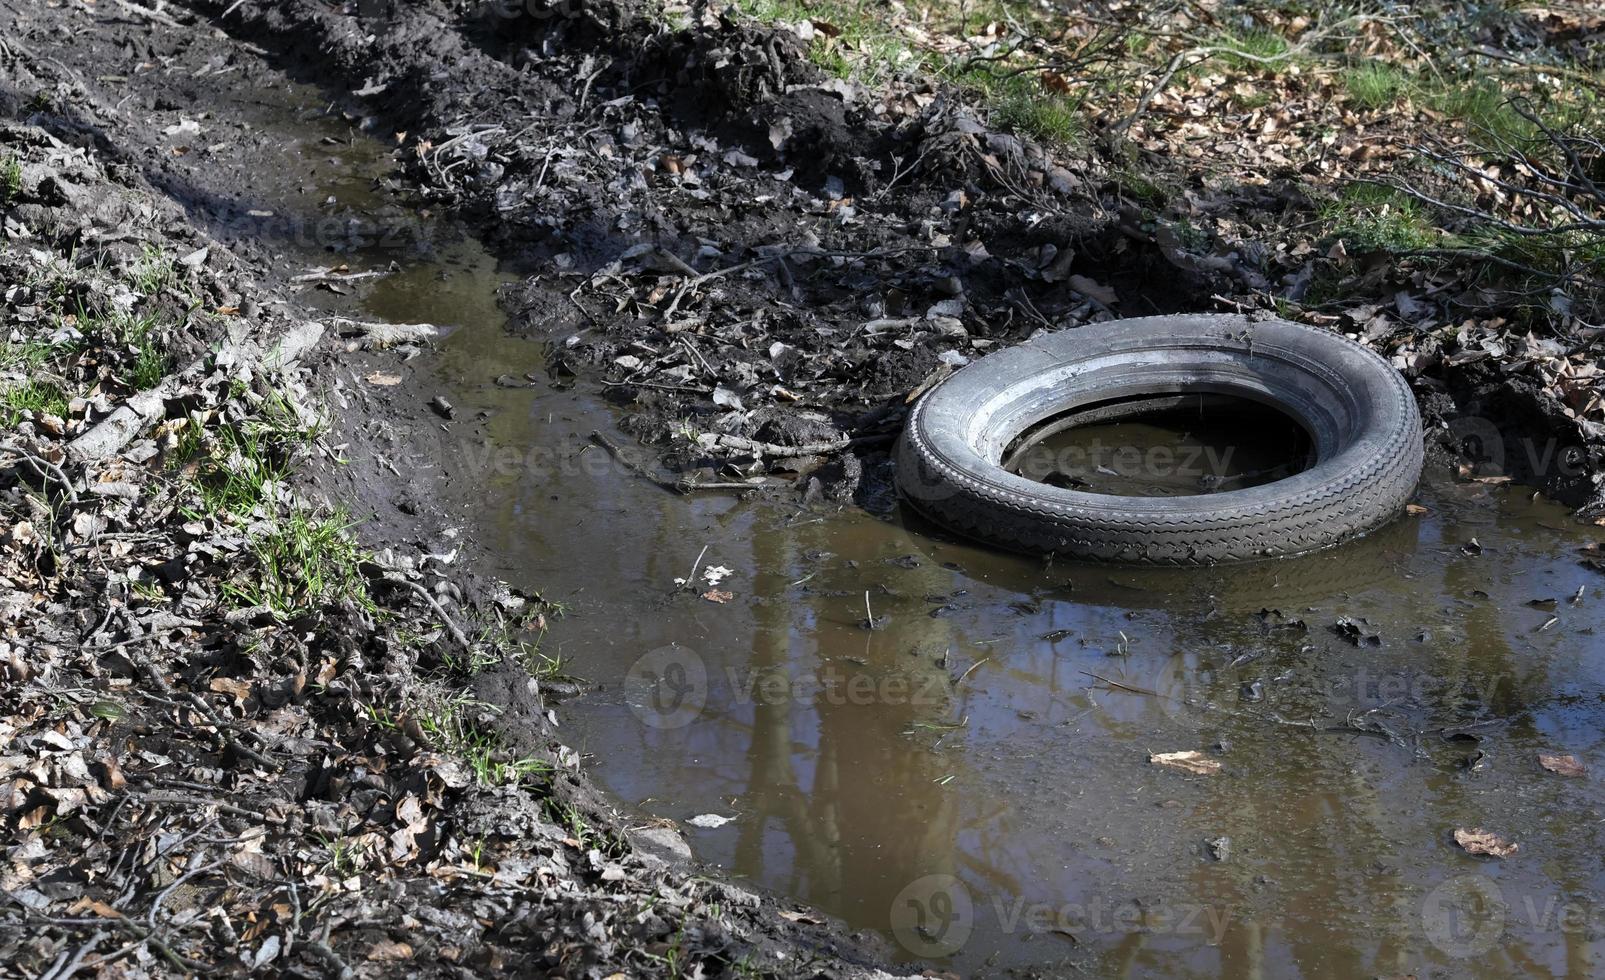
[[756, 448], [381, 335], [681, 486], [118, 429]]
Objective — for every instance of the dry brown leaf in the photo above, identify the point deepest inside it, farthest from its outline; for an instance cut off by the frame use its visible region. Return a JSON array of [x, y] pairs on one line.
[[94, 905], [241, 690], [1190, 761], [717, 595], [1479, 841], [386, 951], [1562, 765]]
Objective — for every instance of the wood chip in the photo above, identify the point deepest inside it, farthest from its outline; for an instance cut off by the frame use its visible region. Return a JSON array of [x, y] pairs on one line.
[[1194, 762]]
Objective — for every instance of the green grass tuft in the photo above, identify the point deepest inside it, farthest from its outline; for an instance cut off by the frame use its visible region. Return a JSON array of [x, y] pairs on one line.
[[10, 179], [450, 727], [1485, 108], [153, 271], [1375, 85], [28, 355], [863, 50], [1369, 217], [149, 368], [304, 561], [1255, 50], [242, 470], [17, 399], [1020, 104]]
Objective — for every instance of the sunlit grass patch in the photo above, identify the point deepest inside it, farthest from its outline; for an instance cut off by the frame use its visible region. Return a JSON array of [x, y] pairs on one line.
[[1367, 216], [1023, 104], [153, 271], [847, 43], [149, 368], [241, 472], [304, 560], [1375, 84], [449, 725], [18, 398], [1257, 49], [27, 355], [1561, 253], [1484, 106]]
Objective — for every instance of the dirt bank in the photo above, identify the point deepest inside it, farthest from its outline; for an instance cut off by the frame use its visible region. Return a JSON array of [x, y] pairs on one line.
[[241, 731], [763, 261]]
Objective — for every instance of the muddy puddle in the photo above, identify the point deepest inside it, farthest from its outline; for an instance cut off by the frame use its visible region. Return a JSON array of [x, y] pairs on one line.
[[950, 745]]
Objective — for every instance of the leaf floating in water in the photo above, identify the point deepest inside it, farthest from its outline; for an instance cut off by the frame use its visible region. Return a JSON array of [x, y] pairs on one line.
[[1562, 765], [1194, 762], [1479, 841], [712, 821]]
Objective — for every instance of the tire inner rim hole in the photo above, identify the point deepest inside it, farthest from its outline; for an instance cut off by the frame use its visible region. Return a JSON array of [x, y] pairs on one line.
[[1172, 445]]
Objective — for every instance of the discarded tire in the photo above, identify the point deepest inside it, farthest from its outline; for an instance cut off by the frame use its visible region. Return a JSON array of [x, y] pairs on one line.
[[1364, 430]]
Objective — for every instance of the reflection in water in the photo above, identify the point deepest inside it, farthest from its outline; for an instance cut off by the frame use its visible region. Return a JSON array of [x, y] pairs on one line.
[[1323, 848], [1167, 446]]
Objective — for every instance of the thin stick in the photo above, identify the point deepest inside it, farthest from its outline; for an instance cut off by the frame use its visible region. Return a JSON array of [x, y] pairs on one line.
[[972, 670], [691, 580], [445, 617]]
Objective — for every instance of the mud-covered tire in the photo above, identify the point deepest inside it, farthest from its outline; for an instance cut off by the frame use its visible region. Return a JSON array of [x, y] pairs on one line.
[[1362, 422]]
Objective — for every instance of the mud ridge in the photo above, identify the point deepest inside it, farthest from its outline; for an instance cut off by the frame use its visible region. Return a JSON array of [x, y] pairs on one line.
[[878, 238]]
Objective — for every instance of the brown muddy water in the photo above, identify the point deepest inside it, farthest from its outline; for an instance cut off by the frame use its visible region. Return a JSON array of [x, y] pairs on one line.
[[971, 775]]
